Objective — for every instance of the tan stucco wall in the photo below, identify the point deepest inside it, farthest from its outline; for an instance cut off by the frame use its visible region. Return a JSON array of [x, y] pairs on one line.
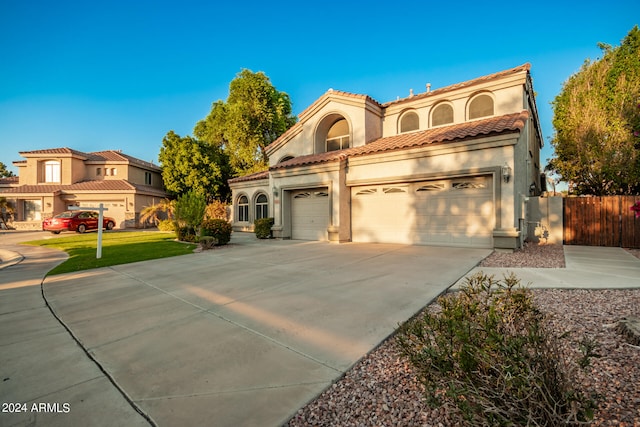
[[251, 189], [545, 220]]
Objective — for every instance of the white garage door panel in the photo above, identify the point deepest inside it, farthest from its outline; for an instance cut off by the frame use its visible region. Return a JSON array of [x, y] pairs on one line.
[[115, 210], [310, 214], [455, 212]]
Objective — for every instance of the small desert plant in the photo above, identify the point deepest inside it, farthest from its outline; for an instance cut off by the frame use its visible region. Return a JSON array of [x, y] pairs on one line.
[[487, 353], [217, 228], [207, 242], [216, 210], [263, 227], [166, 225]]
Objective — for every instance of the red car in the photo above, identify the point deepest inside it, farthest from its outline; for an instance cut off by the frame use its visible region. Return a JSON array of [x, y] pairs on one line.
[[79, 221]]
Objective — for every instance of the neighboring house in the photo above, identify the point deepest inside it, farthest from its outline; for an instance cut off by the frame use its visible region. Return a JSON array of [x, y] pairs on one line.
[[52, 180], [453, 166]]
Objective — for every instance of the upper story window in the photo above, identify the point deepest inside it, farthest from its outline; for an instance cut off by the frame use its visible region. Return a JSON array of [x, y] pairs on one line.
[[147, 178], [442, 115], [243, 209], [338, 136], [285, 158], [98, 171], [262, 206], [481, 106], [409, 122], [52, 171]]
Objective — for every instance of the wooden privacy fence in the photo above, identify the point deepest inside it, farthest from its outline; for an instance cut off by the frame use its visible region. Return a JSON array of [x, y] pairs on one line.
[[601, 221]]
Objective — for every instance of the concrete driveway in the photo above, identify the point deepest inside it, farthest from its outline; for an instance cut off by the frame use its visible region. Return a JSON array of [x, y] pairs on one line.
[[249, 333]]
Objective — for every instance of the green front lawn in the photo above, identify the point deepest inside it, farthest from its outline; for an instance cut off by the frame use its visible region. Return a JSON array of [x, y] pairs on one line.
[[117, 248]]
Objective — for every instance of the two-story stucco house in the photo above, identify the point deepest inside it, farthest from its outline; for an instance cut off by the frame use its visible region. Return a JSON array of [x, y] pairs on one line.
[[52, 180], [453, 166]]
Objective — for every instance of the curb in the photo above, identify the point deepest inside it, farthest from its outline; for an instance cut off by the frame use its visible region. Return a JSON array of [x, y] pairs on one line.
[[9, 258]]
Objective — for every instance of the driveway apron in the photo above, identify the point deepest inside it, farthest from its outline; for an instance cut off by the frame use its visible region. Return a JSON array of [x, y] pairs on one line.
[[249, 333]]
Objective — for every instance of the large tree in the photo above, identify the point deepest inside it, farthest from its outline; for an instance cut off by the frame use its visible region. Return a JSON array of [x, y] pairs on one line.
[[597, 123], [254, 115], [4, 172], [189, 164]]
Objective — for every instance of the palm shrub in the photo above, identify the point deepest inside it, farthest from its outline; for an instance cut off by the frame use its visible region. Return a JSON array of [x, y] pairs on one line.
[[262, 227], [218, 229], [488, 354]]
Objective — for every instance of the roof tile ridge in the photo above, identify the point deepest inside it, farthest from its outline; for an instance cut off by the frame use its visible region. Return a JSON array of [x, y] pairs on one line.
[[524, 67]]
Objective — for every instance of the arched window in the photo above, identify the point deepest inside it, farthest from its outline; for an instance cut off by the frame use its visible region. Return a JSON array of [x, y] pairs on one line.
[[285, 158], [52, 171], [481, 106], [262, 206], [409, 122], [243, 209], [338, 136], [442, 115]]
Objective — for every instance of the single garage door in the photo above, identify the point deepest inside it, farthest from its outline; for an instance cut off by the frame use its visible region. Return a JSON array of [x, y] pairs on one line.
[[310, 214], [457, 212]]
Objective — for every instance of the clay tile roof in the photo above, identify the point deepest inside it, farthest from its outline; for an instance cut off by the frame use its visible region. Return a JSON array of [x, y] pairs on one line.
[[9, 180], [492, 125], [251, 177], [62, 150], [524, 67], [329, 156], [118, 156], [90, 186]]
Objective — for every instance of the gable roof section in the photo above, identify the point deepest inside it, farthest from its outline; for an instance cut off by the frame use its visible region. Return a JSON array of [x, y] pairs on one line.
[[118, 156], [328, 96], [493, 125]]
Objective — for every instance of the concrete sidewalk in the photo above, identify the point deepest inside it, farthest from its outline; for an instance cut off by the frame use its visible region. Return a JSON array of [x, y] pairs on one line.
[[587, 267]]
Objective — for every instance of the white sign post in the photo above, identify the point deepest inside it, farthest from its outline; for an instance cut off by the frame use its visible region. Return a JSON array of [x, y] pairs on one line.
[[100, 210]]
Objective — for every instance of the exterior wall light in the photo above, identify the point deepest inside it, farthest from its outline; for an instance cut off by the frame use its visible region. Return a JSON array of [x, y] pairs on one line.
[[506, 172], [275, 191]]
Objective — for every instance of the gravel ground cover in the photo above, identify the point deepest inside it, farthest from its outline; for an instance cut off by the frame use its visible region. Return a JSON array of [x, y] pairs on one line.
[[383, 390]]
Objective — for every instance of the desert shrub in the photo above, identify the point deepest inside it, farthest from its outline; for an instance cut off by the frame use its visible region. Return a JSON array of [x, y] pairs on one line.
[[186, 233], [262, 227], [488, 353], [189, 209], [216, 210], [217, 228], [166, 225]]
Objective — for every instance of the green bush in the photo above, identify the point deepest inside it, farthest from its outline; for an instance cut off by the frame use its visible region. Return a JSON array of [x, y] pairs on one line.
[[166, 225], [262, 227], [186, 233], [487, 352], [218, 228]]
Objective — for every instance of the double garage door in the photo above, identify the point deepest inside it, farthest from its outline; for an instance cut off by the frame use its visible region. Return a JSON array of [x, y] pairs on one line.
[[456, 212]]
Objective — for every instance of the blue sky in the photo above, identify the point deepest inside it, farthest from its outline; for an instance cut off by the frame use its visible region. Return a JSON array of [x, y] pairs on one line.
[[120, 74]]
